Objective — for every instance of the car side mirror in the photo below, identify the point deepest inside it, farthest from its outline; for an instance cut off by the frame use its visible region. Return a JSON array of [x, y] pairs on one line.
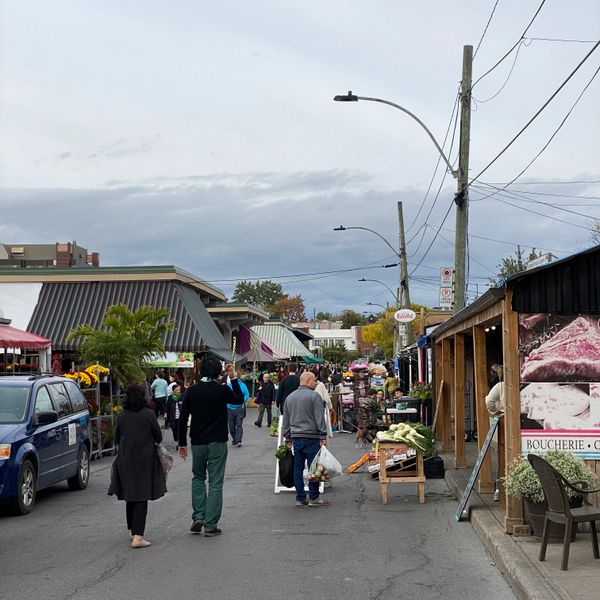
[[46, 417]]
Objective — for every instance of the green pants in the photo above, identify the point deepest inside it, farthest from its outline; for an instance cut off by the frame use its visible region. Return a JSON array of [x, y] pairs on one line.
[[208, 460]]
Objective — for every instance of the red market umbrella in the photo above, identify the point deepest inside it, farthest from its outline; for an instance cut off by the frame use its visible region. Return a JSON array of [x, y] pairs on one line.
[[11, 337]]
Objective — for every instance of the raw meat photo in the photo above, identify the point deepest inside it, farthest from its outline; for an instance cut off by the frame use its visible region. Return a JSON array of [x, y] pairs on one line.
[[556, 351]]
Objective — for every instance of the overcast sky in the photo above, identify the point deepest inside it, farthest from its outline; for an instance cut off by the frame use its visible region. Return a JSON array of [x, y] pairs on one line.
[[203, 134]]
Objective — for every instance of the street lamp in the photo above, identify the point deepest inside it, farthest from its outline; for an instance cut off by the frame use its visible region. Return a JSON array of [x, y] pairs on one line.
[[375, 304], [384, 285], [342, 228], [350, 97], [460, 174]]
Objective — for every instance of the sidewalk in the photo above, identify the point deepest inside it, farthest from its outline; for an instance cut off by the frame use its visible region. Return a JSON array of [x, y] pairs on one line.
[[517, 557]]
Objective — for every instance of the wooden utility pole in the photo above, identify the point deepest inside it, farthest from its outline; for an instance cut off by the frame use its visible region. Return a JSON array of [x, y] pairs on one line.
[[462, 194], [404, 299]]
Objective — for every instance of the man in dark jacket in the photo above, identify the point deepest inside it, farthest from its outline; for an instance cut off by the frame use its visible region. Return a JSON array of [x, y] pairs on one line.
[[287, 385], [264, 399], [207, 402]]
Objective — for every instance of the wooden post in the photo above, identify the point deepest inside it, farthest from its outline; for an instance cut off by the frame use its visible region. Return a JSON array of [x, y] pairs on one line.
[[460, 461], [486, 485], [512, 414], [445, 407]]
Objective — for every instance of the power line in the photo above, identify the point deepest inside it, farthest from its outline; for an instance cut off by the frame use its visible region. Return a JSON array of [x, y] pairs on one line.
[[475, 261], [456, 102], [486, 28], [556, 195], [542, 39], [535, 116], [434, 238], [512, 196], [514, 244], [513, 47], [560, 182], [505, 81]]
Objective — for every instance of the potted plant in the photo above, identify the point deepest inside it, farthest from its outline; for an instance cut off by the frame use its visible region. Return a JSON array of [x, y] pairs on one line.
[[522, 480]]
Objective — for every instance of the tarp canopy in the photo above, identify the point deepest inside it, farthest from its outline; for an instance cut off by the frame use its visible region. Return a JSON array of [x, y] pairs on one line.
[[11, 337], [309, 360], [250, 342], [260, 356]]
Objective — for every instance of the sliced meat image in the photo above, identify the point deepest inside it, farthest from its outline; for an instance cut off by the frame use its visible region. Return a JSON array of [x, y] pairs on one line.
[[573, 354], [554, 403]]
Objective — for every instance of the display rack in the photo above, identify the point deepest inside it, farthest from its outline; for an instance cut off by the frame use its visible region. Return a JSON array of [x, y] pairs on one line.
[[100, 446]]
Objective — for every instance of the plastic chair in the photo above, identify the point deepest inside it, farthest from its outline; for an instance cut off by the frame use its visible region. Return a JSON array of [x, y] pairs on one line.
[[558, 509]]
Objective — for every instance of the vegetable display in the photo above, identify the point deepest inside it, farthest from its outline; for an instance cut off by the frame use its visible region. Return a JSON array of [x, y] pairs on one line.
[[415, 435]]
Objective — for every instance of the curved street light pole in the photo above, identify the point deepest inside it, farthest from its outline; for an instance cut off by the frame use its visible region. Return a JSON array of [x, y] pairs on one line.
[[342, 228], [461, 174], [385, 285]]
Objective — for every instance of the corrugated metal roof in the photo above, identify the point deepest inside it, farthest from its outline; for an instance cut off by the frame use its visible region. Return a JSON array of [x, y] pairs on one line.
[[63, 306], [279, 337]]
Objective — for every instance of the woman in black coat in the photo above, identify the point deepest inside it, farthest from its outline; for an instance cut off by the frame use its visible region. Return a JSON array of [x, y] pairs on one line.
[[137, 474]]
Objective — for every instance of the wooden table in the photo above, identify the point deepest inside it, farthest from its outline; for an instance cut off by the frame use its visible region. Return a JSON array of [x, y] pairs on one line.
[[415, 475]]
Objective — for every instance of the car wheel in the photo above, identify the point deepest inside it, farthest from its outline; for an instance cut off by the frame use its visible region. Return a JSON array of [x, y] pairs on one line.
[[26, 489], [80, 480]]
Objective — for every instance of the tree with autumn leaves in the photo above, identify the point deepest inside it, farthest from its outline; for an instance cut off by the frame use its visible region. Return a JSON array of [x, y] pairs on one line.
[[270, 296]]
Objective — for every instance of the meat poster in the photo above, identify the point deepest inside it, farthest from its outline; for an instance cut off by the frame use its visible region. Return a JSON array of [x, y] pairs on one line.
[[559, 357]]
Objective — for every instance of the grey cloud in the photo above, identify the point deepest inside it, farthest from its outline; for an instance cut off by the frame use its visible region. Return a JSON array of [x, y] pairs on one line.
[[226, 226]]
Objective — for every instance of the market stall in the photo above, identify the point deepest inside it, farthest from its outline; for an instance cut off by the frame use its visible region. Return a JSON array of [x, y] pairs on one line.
[[543, 328], [23, 352]]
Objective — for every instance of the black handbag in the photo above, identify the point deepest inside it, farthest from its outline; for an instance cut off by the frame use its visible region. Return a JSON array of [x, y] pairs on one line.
[[286, 469]]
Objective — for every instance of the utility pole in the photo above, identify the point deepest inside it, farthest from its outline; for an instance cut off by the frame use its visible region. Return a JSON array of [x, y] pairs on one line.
[[403, 290], [462, 195]]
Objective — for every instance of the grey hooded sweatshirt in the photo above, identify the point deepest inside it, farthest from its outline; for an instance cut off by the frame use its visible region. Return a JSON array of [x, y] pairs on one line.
[[304, 415]]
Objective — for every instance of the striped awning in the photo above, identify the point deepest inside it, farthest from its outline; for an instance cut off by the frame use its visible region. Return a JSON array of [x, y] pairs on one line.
[[64, 305], [279, 337]]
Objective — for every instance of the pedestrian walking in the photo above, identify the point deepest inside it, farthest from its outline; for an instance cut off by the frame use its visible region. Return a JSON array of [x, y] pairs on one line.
[[304, 429], [265, 397], [160, 390], [206, 402], [287, 385], [137, 474], [236, 413], [173, 410], [391, 384]]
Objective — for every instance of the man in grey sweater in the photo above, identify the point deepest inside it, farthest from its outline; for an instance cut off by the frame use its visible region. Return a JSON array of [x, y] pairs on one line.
[[305, 430]]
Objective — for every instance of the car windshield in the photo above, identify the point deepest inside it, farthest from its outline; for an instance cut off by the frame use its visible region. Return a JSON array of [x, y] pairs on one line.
[[13, 404]]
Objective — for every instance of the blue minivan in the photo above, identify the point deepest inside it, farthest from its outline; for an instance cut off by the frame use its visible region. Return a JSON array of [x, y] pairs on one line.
[[44, 438]]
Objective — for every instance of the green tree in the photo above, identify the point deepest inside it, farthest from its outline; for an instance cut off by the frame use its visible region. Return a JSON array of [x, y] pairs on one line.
[[124, 340], [324, 316], [336, 354], [263, 294], [511, 265], [351, 318], [290, 310]]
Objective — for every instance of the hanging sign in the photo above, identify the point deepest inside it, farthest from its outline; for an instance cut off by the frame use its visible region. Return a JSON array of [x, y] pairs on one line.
[[405, 315]]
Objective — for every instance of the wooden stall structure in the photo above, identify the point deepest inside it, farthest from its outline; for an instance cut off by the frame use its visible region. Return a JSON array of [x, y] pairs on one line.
[[519, 326]]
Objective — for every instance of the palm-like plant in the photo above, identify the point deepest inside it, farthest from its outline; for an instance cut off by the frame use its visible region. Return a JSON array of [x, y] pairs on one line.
[[125, 339]]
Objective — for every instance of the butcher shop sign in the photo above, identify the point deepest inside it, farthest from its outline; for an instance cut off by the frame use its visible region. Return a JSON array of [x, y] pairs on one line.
[[560, 383]]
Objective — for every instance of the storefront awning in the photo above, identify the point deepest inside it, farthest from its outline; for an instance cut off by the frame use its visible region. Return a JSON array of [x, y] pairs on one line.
[[279, 337]]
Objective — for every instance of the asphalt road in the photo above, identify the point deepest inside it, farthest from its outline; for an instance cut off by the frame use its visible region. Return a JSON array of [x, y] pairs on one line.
[[74, 546]]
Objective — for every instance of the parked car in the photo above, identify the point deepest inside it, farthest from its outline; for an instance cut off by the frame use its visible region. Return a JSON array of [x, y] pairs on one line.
[[44, 438]]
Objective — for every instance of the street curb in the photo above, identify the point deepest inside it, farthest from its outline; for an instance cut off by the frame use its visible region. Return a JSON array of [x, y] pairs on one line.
[[516, 566]]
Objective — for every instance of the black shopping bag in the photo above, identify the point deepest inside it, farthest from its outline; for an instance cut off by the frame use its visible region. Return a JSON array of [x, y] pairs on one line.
[[286, 469]]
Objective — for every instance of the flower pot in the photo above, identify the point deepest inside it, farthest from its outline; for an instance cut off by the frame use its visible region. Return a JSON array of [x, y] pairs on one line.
[[534, 515]]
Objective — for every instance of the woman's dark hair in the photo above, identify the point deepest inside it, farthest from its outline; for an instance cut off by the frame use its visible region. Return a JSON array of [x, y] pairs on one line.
[[135, 397], [210, 367]]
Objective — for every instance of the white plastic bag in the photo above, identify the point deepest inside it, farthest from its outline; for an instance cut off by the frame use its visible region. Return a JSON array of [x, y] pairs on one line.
[[324, 466]]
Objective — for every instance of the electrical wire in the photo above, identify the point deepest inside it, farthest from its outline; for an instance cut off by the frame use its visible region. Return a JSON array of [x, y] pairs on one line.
[[535, 116], [561, 182], [510, 195], [452, 117], [505, 81], [513, 47], [541, 39], [553, 134], [434, 238], [485, 29]]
